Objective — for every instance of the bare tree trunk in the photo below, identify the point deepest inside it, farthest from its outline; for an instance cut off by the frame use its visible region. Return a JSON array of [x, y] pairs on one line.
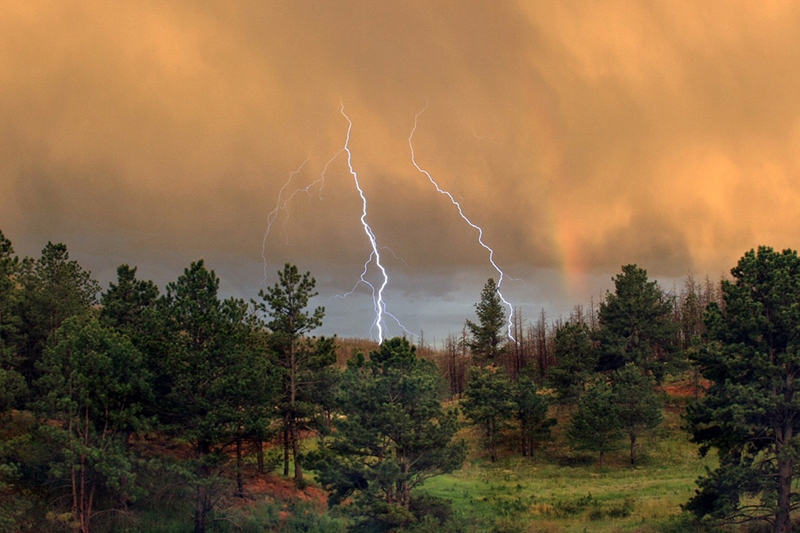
[[490, 430], [202, 500], [201, 509], [260, 455], [784, 435], [783, 523], [239, 476], [286, 446], [298, 470]]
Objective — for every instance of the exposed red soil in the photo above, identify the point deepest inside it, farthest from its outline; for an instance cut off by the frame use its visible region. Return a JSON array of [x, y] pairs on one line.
[[686, 389], [280, 489]]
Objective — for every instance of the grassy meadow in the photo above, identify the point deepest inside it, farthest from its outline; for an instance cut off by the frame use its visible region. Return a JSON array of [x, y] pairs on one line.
[[560, 491]]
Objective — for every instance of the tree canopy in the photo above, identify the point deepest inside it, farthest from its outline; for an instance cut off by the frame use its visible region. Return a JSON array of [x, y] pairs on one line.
[[393, 434], [635, 325], [751, 412]]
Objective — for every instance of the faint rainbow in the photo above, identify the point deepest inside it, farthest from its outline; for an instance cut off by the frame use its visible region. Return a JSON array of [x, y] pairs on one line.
[[546, 138]]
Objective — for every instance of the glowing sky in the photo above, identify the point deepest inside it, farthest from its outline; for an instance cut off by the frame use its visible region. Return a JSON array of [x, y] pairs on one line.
[[580, 135]]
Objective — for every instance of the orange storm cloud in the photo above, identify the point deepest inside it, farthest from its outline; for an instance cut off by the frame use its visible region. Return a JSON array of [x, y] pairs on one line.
[[580, 136]]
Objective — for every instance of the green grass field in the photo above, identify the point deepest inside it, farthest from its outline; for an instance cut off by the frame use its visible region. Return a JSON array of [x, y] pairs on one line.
[[557, 491]]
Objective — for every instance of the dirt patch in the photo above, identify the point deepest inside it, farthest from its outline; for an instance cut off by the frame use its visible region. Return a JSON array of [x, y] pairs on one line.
[[686, 389], [283, 490]]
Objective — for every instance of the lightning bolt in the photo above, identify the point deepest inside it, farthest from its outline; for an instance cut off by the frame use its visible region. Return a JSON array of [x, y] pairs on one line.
[[377, 293], [468, 221], [379, 304]]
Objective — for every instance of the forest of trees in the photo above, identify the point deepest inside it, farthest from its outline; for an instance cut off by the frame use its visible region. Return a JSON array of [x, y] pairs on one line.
[[104, 393]]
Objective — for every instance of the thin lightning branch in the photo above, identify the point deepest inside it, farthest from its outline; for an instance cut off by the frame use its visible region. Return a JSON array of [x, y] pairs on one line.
[[282, 206], [468, 221], [377, 294]]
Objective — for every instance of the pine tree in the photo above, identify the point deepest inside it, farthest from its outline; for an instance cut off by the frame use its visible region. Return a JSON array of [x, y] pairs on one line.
[[93, 381], [392, 435], [300, 358], [54, 288], [751, 412], [209, 370], [576, 361], [486, 340], [531, 413], [638, 406], [489, 403], [636, 325], [596, 426]]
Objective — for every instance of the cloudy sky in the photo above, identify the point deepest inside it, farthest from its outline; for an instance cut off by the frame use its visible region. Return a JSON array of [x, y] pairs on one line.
[[580, 136]]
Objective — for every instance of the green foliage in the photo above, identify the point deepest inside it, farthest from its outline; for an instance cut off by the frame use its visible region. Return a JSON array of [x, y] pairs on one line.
[[305, 362], [638, 406], [486, 340], [129, 305], [392, 435], [751, 413], [531, 413], [596, 424], [93, 383], [576, 361], [12, 385], [489, 402], [217, 384], [285, 304], [53, 289], [635, 325]]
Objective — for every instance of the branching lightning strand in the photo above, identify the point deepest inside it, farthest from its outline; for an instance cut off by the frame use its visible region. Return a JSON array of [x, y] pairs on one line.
[[468, 221]]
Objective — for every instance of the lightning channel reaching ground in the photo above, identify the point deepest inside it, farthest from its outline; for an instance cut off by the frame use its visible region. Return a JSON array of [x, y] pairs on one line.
[[468, 221], [377, 293], [379, 304]]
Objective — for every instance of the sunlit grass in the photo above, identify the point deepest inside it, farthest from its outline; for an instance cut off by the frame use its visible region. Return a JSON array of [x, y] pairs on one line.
[[543, 493]]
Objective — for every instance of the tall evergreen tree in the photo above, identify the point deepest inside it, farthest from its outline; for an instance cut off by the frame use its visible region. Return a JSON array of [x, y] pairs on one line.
[[531, 413], [576, 361], [486, 339], [300, 358], [54, 288], [751, 412], [93, 380], [12, 385], [128, 305], [207, 367], [636, 325]]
